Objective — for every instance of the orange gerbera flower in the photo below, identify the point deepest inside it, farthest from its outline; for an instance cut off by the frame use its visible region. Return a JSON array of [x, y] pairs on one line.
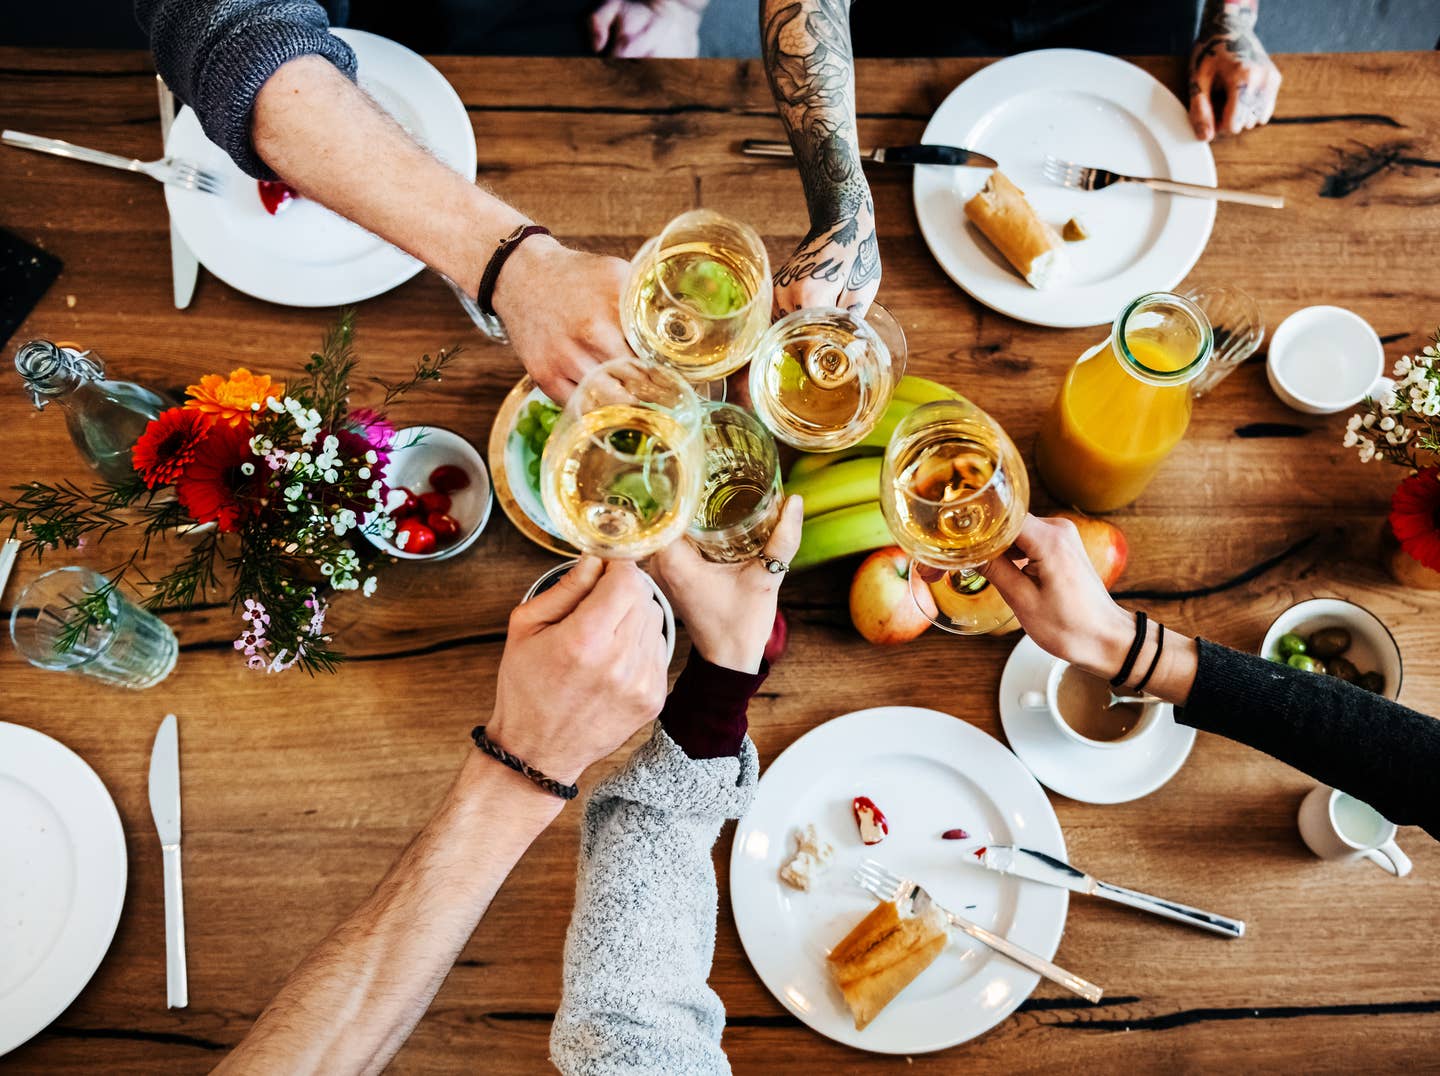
[[232, 400]]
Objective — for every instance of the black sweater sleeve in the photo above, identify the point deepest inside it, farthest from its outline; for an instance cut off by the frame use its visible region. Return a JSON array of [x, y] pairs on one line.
[[1377, 750], [216, 54]]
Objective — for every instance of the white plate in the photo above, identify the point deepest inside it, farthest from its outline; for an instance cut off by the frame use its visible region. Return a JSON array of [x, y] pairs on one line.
[[1094, 110], [306, 255], [1089, 774], [62, 879], [929, 772], [517, 456]]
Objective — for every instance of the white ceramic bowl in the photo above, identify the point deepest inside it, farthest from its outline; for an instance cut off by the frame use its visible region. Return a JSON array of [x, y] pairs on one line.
[[418, 451], [551, 577], [1372, 647], [1329, 346]]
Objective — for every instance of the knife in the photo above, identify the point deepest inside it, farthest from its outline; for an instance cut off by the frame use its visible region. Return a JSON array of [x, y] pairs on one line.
[[917, 154], [184, 266], [165, 807], [1046, 869]]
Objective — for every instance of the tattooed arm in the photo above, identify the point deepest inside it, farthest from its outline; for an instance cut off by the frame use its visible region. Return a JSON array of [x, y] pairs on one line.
[[808, 58], [1229, 62]]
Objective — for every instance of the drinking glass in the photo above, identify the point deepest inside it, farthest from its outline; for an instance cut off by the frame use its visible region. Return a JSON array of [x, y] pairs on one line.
[[740, 495], [620, 475], [698, 296], [822, 377], [954, 492], [1237, 329], [125, 646]]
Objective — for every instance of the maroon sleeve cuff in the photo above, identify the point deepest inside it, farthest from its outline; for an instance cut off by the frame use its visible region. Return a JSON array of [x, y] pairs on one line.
[[706, 711]]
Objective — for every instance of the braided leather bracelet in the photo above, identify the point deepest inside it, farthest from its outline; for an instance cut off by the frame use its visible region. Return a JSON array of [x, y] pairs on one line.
[[520, 766]]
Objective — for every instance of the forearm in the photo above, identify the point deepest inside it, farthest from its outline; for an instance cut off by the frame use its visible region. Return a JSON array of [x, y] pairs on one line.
[[354, 999]]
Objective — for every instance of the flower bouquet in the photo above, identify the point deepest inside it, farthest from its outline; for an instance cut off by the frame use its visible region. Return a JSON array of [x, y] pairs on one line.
[[1402, 427], [271, 481]]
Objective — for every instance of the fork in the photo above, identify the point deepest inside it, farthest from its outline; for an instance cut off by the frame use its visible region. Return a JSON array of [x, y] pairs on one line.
[[879, 882], [172, 172], [1080, 178]]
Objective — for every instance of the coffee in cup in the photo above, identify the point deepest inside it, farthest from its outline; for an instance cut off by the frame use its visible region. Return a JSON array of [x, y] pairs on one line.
[[1083, 701]]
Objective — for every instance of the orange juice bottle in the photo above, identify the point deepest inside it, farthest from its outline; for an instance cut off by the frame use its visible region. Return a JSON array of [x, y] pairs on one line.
[[1124, 405]]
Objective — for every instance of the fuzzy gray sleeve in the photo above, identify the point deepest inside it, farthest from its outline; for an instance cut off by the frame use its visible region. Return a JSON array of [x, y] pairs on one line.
[[216, 54], [642, 937]]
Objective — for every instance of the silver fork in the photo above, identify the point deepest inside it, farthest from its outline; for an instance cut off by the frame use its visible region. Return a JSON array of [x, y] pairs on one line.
[[1078, 177], [879, 882], [174, 173]]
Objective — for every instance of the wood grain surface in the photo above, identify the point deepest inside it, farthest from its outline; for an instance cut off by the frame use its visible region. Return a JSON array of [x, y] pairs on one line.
[[298, 792]]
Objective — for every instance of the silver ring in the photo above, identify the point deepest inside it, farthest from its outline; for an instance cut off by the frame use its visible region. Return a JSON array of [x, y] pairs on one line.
[[773, 566]]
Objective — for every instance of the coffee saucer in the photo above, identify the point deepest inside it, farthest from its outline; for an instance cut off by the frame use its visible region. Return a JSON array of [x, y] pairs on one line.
[[1091, 775]]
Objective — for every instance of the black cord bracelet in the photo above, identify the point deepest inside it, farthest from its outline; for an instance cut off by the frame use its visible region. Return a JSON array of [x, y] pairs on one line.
[[1129, 666], [1155, 661], [520, 766]]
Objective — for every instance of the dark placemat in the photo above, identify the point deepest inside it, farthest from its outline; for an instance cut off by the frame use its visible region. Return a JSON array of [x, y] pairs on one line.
[[26, 273]]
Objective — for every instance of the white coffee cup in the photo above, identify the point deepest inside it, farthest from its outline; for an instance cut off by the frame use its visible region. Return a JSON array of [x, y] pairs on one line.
[[1325, 359], [1337, 826], [1048, 702]]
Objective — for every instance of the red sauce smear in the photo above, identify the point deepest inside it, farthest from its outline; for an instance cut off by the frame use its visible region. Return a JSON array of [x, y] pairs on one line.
[[865, 803], [275, 195]]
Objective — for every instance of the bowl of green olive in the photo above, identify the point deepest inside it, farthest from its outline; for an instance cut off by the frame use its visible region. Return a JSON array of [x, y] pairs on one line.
[[1336, 638]]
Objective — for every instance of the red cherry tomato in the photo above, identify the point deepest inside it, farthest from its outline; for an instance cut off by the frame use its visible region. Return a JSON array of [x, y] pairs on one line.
[[445, 526], [447, 478], [434, 502], [411, 506], [275, 195], [412, 536]]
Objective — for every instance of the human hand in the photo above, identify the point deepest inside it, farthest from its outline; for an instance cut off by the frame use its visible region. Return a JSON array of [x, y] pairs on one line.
[[1229, 58], [729, 609], [561, 309], [637, 28], [1059, 600], [584, 667], [834, 266]]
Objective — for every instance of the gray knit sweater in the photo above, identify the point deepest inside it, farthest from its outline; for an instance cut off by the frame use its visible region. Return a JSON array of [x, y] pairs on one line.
[[216, 54], [642, 937]]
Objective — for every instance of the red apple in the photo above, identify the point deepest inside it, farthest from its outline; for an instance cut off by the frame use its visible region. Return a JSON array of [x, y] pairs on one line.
[[1104, 543], [881, 606], [779, 639]]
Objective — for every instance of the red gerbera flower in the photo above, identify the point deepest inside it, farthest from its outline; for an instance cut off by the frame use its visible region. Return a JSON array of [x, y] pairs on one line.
[[215, 487], [168, 445], [1415, 516]]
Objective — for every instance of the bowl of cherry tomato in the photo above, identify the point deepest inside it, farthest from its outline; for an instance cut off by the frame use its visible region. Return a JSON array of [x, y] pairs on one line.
[[446, 494]]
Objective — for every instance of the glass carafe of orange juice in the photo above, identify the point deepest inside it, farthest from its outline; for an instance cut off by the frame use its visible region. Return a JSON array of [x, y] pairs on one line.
[[1124, 405]]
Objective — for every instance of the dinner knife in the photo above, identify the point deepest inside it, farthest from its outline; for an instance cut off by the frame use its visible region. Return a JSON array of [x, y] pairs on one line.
[[184, 266], [165, 807], [1048, 870], [917, 154]]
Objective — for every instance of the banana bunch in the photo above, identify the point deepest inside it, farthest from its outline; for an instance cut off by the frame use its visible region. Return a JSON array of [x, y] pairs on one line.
[[842, 489]]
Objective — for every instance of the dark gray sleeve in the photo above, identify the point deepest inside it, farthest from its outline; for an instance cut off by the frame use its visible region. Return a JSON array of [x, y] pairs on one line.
[[1377, 750], [216, 54]]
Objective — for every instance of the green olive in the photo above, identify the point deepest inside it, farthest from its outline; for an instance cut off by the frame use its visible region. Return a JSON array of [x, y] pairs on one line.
[[1343, 669], [1306, 663], [1291, 643], [1372, 681], [1329, 642]]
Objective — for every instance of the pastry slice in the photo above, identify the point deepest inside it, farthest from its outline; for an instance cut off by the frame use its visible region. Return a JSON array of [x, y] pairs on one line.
[[1005, 218], [883, 955]]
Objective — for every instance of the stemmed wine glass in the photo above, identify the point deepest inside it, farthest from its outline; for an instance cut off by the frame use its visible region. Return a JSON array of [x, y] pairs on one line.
[[954, 491], [621, 473]]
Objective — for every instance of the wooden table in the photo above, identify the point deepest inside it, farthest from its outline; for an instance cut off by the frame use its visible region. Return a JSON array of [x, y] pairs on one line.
[[298, 793]]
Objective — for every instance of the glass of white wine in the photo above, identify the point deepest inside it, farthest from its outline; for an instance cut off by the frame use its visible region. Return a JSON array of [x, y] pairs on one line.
[[620, 475], [698, 296], [822, 377], [954, 491], [741, 494]]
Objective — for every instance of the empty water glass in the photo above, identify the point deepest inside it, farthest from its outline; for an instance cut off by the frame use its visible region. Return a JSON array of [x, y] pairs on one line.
[[1237, 329]]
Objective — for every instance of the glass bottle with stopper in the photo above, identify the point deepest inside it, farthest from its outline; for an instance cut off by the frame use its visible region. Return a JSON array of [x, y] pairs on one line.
[[105, 417]]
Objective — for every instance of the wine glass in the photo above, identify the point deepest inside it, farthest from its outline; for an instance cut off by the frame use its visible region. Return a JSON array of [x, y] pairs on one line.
[[741, 493], [698, 296], [620, 475], [822, 377], [954, 492]]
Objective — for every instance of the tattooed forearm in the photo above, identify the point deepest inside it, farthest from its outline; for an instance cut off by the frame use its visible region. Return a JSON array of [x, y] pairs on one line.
[[1229, 25]]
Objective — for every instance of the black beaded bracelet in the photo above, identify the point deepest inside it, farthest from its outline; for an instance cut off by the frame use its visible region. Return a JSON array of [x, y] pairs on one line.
[[520, 766], [1155, 661], [1135, 647]]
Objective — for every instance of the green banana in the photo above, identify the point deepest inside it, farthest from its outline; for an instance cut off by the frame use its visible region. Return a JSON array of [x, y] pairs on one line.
[[839, 486], [879, 437], [921, 390], [841, 533], [811, 462]]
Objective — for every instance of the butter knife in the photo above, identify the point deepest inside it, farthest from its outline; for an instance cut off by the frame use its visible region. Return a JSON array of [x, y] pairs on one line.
[[165, 807], [917, 154], [1046, 869], [184, 266]]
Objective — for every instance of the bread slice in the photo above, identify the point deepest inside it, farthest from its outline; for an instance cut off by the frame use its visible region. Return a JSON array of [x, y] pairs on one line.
[[1005, 218], [883, 955]]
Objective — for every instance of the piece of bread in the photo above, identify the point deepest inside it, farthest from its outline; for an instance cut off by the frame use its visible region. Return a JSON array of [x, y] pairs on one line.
[[812, 856], [1005, 218], [883, 955]]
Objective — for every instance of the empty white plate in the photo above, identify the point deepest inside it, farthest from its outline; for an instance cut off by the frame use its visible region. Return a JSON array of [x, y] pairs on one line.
[[928, 772], [62, 879], [1094, 110]]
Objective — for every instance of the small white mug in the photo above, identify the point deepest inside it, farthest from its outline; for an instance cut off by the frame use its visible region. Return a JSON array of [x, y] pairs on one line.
[[1337, 826], [1325, 359], [1048, 702]]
